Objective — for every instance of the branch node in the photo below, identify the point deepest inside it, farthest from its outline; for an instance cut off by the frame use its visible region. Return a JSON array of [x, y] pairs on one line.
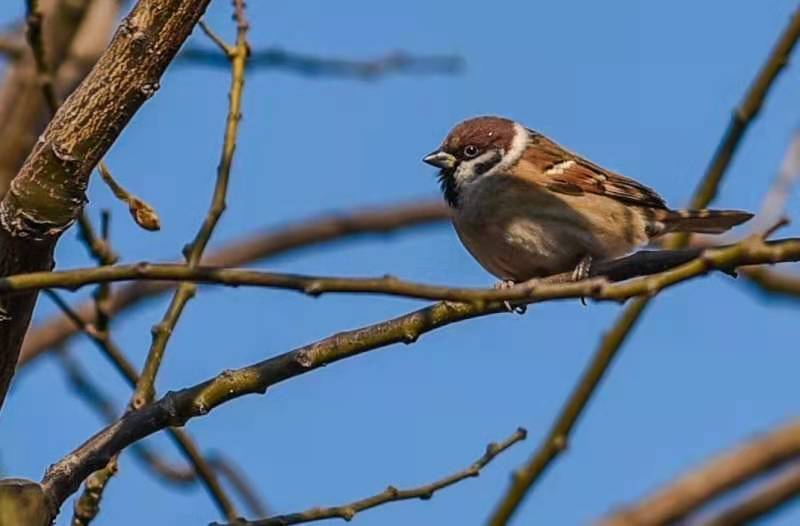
[[313, 288]]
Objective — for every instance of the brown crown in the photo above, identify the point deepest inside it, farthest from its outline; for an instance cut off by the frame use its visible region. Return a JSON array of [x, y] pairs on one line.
[[483, 132]]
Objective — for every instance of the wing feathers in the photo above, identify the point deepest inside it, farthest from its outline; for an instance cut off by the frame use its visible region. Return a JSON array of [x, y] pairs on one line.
[[565, 172]]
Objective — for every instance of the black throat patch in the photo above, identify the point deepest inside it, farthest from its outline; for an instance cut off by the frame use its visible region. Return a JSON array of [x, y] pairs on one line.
[[448, 185]]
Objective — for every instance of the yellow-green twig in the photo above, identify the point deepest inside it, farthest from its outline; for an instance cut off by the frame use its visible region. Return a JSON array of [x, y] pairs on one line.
[[194, 251]]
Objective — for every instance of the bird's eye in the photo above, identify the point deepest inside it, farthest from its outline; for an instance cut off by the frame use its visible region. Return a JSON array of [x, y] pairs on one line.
[[471, 150]]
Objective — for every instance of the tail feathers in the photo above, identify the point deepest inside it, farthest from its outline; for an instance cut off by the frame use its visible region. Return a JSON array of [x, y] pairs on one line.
[[699, 221]]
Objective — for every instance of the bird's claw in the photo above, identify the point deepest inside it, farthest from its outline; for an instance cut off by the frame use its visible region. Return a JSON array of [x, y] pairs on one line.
[[581, 272], [507, 284]]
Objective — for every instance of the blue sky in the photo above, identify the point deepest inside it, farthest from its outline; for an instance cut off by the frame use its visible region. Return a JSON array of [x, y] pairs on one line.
[[645, 88]]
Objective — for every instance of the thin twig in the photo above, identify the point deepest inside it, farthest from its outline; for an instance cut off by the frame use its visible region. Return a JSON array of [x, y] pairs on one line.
[[193, 252], [556, 440], [746, 112], [218, 41], [314, 66], [177, 407], [97, 247], [237, 478], [302, 235], [90, 393], [34, 35], [181, 438], [773, 206], [391, 493], [87, 506], [632, 270]]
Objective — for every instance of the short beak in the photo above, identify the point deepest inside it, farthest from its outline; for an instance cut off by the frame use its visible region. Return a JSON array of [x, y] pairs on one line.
[[440, 159]]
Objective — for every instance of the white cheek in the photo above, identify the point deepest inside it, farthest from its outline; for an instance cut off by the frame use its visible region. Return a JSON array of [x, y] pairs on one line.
[[465, 173]]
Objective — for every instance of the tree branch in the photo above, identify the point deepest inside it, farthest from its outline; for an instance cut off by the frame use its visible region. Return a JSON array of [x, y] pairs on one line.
[[610, 345], [680, 264], [237, 56], [307, 233], [309, 65], [47, 194], [176, 408], [391, 493], [766, 499], [23, 110], [717, 477]]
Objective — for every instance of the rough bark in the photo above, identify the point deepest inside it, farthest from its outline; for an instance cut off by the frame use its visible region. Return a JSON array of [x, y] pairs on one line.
[[48, 193]]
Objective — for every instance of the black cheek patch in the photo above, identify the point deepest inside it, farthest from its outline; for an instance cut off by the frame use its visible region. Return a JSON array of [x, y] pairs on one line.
[[484, 166]]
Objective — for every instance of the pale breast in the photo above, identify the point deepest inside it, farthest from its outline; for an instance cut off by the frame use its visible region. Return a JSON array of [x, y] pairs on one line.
[[518, 231]]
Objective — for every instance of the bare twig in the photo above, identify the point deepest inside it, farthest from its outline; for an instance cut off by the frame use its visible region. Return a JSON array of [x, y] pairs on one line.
[[238, 480], [99, 250], [556, 440], [102, 339], [718, 476], [307, 233], [773, 205], [601, 286], [177, 407], [558, 286], [87, 506], [391, 493], [310, 65], [35, 40], [746, 112], [182, 475], [237, 55]]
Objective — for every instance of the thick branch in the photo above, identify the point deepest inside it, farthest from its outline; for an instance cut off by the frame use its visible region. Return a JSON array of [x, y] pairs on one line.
[[176, 408], [48, 193], [304, 234], [720, 475], [23, 111], [766, 499], [181, 438]]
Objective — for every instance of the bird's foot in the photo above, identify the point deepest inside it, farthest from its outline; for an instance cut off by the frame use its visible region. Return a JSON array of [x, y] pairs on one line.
[[581, 271], [507, 284]]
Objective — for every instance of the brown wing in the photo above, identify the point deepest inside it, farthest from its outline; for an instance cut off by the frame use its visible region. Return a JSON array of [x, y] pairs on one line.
[[565, 172]]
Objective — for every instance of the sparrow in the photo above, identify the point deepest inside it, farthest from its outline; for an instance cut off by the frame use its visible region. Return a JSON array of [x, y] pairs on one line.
[[525, 207]]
